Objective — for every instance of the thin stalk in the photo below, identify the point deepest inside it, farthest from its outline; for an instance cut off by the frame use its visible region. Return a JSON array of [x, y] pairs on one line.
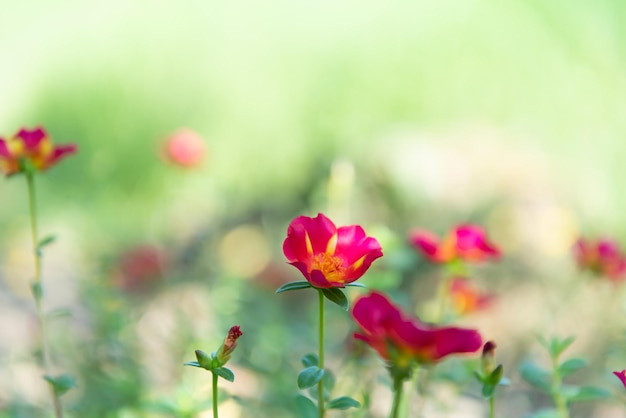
[[37, 291], [398, 386], [320, 384], [492, 407], [214, 387], [557, 396]]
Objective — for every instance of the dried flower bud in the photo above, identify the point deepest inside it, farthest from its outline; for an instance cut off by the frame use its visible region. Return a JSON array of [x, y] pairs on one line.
[[488, 357], [229, 345]]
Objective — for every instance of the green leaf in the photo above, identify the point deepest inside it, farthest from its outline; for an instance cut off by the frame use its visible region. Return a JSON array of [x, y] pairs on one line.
[[546, 413], [495, 376], [59, 313], [354, 284], [310, 377], [571, 365], [488, 390], [46, 241], [556, 346], [305, 407], [329, 380], [309, 360], [479, 377], [37, 290], [536, 376], [193, 363], [336, 295], [204, 360], [293, 286], [343, 402], [61, 383], [224, 373], [589, 393]]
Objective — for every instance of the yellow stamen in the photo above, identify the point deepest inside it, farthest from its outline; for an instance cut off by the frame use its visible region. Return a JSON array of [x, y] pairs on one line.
[[331, 266]]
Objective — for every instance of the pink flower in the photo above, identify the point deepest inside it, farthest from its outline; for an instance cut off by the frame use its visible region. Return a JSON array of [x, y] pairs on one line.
[[326, 255], [466, 242], [621, 376], [140, 267], [603, 257], [403, 340], [466, 298], [184, 148], [30, 149]]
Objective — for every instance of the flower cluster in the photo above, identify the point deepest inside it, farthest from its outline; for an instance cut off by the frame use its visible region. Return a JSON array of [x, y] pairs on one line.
[[403, 340], [602, 257], [328, 256], [465, 242], [30, 150]]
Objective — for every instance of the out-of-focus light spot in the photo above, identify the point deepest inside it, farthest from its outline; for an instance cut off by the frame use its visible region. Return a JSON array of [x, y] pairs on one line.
[[244, 252]]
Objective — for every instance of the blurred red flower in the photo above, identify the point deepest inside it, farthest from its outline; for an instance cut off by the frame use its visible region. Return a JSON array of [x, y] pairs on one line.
[[184, 148], [621, 376], [466, 298], [30, 149], [326, 255], [403, 340], [466, 242], [603, 257], [139, 268]]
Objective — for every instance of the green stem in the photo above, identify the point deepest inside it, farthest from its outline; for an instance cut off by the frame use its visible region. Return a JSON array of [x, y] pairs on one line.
[[557, 396], [397, 397], [214, 387], [37, 290], [320, 384], [492, 407]]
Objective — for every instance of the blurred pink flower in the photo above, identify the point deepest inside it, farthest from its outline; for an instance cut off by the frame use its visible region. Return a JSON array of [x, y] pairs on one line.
[[602, 257], [184, 148], [466, 242], [466, 298], [30, 148], [621, 376], [139, 267], [328, 256], [403, 340]]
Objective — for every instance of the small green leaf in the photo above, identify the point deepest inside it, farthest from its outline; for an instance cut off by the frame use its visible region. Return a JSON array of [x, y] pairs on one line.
[[354, 284], [204, 360], [305, 407], [556, 346], [61, 383], [546, 413], [336, 295], [488, 390], [193, 363], [309, 360], [293, 286], [59, 313], [589, 393], [310, 377], [224, 373], [536, 376], [571, 365], [343, 402], [37, 290], [46, 241], [329, 380], [479, 377], [495, 376]]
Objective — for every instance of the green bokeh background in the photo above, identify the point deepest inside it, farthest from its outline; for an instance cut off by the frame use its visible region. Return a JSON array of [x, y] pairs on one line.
[[283, 93]]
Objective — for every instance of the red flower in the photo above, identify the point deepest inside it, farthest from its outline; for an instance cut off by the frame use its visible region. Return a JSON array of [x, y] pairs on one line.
[[326, 255], [621, 376], [30, 148], [466, 242], [184, 148], [403, 340], [466, 298], [603, 257]]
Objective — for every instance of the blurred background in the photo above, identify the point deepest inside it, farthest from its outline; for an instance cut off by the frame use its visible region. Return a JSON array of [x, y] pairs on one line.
[[392, 115]]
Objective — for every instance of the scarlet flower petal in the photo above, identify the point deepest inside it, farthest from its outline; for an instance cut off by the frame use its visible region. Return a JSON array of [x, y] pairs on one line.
[[401, 339], [426, 242], [31, 138], [621, 376]]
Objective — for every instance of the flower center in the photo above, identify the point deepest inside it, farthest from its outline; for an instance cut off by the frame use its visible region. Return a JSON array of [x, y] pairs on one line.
[[331, 266]]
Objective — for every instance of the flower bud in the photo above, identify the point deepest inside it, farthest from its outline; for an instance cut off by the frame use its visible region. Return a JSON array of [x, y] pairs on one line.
[[229, 345], [488, 357]]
